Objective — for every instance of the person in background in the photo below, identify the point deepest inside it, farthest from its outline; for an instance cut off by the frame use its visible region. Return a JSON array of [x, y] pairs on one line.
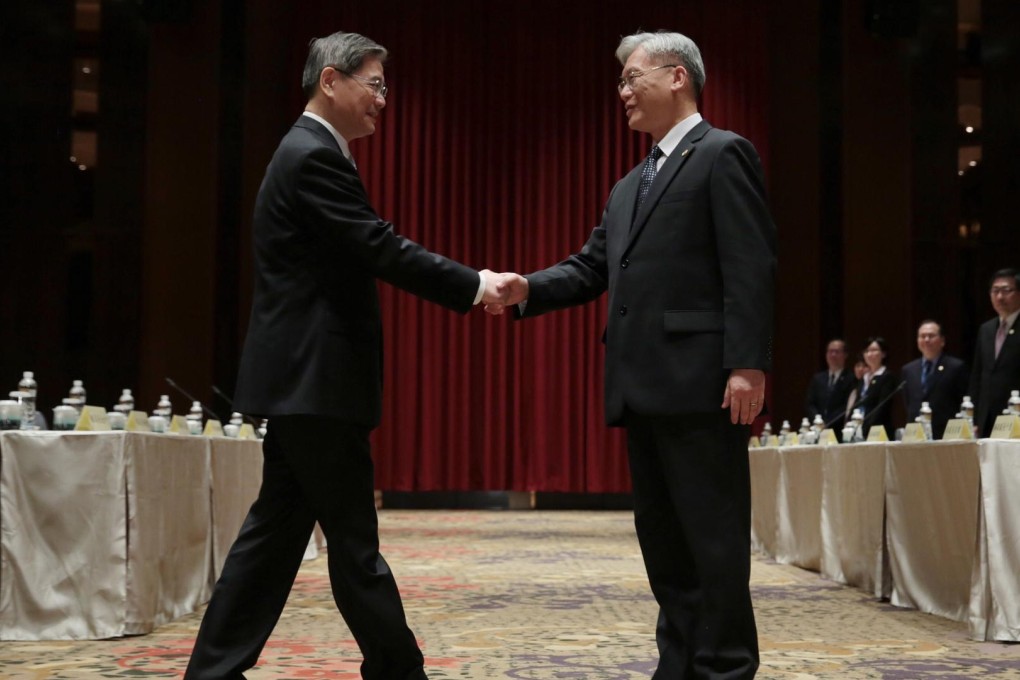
[[829, 389], [860, 367], [876, 387], [996, 367], [935, 377]]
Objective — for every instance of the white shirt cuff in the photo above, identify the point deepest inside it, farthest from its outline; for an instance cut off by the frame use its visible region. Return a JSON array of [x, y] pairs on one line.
[[481, 288]]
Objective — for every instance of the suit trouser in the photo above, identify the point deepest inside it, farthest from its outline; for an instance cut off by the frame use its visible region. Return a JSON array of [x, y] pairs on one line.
[[692, 511], [314, 468]]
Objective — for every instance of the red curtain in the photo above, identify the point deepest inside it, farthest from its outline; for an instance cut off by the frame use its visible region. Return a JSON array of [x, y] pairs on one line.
[[502, 136]]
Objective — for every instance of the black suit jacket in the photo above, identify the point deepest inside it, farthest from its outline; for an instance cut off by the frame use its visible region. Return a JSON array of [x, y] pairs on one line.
[[690, 278], [877, 402], [946, 388], [992, 378], [828, 402], [314, 343]]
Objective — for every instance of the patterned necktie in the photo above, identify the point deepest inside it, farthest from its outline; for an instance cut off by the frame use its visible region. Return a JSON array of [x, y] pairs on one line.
[[1000, 335], [647, 175], [925, 372]]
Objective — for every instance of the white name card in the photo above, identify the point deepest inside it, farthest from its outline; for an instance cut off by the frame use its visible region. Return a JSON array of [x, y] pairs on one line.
[[877, 434], [138, 421], [93, 419], [958, 428], [213, 428], [1006, 427], [914, 432], [827, 437]]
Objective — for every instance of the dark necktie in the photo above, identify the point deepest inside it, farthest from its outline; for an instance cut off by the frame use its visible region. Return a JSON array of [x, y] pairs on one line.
[[648, 174], [832, 380], [1000, 335], [925, 373]]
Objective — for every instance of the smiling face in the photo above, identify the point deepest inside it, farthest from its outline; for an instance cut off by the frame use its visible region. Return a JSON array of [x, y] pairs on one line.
[[874, 356], [351, 105], [930, 341], [650, 94]]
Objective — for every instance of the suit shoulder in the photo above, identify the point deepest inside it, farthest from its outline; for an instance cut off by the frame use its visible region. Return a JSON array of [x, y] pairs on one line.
[[949, 361], [911, 365]]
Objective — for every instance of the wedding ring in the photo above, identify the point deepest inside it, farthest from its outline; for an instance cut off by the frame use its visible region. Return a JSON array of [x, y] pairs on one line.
[[754, 403]]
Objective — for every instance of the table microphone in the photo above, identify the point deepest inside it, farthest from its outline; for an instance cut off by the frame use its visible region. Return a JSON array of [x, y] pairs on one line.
[[190, 398], [883, 402], [230, 403]]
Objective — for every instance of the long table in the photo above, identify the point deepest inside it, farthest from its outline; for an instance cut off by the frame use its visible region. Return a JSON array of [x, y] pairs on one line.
[[114, 533], [933, 526]]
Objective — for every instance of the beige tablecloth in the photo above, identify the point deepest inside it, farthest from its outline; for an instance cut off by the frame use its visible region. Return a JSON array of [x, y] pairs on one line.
[[765, 470], [995, 582], [111, 533], [932, 497], [934, 526], [799, 506], [853, 517]]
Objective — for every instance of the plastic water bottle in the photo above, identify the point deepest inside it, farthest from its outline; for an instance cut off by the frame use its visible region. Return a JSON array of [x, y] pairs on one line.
[[967, 409], [28, 389], [236, 419], [925, 420], [76, 395], [263, 428], [163, 407], [857, 420], [126, 402], [1014, 402], [766, 432]]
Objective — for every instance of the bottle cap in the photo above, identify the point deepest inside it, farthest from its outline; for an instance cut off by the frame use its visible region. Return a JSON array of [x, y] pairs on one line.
[[28, 375]]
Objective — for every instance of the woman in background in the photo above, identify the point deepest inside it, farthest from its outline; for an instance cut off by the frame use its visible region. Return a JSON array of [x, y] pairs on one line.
[[876, 387]]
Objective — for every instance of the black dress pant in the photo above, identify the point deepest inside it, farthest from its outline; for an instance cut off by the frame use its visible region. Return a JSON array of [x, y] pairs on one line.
[[315, 469], [692, 512]]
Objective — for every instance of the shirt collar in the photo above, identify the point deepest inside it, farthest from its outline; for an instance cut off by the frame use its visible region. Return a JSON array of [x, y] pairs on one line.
[[341, 142], [1010, 320], [679, 131]]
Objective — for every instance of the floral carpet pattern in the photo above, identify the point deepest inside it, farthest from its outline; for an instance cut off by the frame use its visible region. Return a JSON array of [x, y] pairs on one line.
[[541, 595]]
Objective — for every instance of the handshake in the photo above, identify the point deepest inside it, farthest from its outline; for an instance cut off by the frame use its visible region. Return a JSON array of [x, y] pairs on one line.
[[503, 290]]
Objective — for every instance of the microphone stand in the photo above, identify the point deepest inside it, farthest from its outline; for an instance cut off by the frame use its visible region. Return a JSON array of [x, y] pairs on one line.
[[230, 403], [209, 412], [879, 405]]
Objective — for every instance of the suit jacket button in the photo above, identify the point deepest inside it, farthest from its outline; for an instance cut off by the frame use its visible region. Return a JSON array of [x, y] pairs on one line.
[[623, 265], [623, 310]]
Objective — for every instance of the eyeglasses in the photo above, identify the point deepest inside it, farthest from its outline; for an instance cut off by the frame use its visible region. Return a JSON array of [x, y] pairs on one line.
[[1002, 290], [628, 80], [377, 85]]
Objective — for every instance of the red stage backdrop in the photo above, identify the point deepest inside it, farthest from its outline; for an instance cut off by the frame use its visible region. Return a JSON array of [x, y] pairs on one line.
[[502, 136]]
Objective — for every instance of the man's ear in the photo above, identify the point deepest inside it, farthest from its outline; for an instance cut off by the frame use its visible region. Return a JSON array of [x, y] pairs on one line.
[[327, 78], [680, 77]]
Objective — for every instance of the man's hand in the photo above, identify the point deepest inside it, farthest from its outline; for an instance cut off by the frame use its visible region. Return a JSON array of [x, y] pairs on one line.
[[507, 289], [745, 395]]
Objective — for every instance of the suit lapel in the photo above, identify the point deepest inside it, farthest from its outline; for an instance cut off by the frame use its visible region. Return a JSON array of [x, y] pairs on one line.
[[663, 178]]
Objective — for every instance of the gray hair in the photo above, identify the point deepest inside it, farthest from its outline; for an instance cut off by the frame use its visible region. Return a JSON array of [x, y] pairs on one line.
[[668, 48], [344, 51]]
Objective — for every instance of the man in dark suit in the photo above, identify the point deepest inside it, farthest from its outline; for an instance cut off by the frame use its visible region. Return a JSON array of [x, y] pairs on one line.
[[996, 368], [829, 389], [312, 364], [688, 258], [936, 377]]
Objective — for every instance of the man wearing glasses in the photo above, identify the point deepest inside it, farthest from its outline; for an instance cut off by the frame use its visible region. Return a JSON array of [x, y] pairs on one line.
[[686, 250], [996, 368], [312, 364]]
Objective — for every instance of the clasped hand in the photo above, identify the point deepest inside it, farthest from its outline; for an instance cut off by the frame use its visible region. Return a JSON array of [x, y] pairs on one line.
[[503, 290]]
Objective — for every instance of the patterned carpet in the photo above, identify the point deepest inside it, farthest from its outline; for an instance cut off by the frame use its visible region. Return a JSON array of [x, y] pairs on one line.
[[538, 595]]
